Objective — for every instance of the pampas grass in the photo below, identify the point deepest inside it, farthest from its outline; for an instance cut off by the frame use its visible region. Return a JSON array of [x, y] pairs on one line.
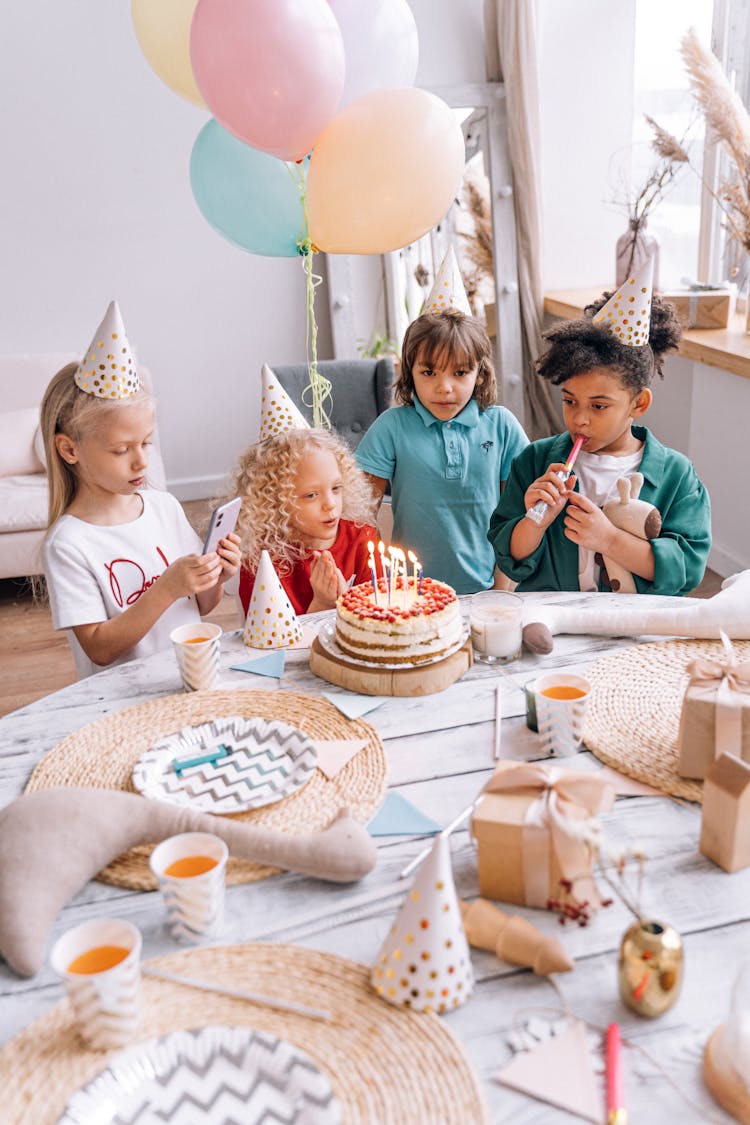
[[729, 119]]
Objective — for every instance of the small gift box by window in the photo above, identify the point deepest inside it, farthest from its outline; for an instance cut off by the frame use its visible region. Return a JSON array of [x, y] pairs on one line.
[[715, 716], [531, 828], [700, 308]]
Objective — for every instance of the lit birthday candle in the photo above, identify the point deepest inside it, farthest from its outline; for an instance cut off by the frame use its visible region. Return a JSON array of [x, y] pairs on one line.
[[373, 570], [387, 571], [381, 552], [404, 581], [415, 563]]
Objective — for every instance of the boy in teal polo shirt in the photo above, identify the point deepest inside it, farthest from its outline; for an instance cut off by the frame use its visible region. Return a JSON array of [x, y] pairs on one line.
[[604, 363], [446, 449]]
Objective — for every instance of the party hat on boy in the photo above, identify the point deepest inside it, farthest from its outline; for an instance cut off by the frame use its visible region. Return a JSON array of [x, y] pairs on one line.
[[108, 368], [424, 962], [448, 290], [277, 411], [628, 311], [271, 621]]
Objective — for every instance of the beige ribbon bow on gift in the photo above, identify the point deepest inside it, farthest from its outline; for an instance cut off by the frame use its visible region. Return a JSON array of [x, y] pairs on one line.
[[554, 823], [732, 680]]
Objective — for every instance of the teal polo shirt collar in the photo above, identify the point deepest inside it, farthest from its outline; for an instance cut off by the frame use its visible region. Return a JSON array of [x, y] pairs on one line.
[[469, 416]]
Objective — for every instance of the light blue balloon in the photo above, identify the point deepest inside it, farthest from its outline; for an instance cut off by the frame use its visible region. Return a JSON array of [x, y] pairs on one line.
[[247, 196]]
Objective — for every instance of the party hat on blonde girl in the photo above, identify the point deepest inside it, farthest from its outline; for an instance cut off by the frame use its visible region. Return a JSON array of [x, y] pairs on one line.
[[108, 368], [448, 291], [277, 411], [424, 962], [271, 621], [628, 311]]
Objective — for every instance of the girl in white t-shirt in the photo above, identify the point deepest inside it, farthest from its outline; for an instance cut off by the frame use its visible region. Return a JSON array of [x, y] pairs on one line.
[[123, 565]]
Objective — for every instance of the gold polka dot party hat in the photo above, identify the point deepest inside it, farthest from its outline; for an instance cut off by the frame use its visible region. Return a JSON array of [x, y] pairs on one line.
[[108, 368], [277, 411], [271, 621], [424, 962], [628, 311], [448, 291]]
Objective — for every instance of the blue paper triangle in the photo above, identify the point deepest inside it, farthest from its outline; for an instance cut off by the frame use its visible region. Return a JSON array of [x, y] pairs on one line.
[[352, 704], [271, 664], [399, 817]]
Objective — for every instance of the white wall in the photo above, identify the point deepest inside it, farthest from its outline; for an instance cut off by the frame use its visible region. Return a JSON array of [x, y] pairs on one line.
[[96, 203]]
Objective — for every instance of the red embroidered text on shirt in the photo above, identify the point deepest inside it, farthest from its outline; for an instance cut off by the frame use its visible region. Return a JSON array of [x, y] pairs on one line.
[[115, 584]]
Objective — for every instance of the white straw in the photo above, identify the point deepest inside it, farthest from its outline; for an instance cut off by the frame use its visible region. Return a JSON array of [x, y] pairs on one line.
[[498, 719], [446, 832], [239, 994]]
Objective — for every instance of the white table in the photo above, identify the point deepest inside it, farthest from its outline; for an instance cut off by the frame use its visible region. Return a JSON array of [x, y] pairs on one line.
[[440, 754]]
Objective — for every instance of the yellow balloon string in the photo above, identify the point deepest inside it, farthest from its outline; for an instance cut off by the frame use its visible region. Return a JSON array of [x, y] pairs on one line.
[[318, 392]]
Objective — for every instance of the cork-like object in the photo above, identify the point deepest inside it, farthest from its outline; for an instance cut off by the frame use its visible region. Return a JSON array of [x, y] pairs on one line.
[[511, 938]]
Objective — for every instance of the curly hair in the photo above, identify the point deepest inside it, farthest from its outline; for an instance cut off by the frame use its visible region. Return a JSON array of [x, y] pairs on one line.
[[448, 335], [578, 346], [264, 478]]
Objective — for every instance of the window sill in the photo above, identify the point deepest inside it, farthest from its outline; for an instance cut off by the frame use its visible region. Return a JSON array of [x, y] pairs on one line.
[[727, 348]]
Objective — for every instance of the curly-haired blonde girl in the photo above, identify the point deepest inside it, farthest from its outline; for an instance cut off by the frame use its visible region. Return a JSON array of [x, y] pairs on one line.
[[305, 501]]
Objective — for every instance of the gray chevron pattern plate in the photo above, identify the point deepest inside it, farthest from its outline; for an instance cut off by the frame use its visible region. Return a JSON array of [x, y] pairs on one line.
[[268, 760], [209, 1076]]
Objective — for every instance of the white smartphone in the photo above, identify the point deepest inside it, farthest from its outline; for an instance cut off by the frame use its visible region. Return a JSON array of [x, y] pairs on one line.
[[223, 520]]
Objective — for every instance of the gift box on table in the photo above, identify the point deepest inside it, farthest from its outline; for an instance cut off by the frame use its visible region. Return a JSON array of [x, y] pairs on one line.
[[715, 717], [530, 829], [701, 308]]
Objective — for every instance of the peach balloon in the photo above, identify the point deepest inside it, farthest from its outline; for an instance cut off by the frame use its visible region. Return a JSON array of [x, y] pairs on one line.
[[162, 28], [384, 172]]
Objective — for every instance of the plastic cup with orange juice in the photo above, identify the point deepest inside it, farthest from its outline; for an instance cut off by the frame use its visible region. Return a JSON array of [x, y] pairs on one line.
[[190, 870], [198, 651]]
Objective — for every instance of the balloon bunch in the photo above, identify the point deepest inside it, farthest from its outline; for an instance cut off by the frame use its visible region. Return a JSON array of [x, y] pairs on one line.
[[319, 140]]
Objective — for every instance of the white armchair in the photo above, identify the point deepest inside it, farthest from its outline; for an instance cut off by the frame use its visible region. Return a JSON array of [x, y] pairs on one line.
[[23, 482]]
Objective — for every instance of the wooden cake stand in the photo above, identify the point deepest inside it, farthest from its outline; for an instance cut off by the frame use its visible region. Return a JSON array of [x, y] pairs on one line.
[[415, 679]]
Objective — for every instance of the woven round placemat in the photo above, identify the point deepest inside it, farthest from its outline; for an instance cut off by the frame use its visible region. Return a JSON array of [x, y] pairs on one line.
[[102, 755], [386, 1064], [634, 711]]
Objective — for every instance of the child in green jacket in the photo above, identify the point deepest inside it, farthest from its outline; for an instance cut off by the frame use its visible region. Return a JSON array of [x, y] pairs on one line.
[[604, 362]]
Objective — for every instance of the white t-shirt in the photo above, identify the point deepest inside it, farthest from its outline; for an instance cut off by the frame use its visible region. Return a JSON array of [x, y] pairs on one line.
[[597, 475], [93, 573]]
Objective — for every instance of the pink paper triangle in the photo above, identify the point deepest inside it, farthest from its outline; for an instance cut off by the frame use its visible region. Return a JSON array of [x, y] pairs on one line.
[[559, 1072], [334, 753]]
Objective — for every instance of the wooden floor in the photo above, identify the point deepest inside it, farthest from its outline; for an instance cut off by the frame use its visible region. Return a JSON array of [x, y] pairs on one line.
[[34, 660]]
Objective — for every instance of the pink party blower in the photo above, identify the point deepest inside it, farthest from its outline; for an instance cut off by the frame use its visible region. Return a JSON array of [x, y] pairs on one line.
[[538, 512]]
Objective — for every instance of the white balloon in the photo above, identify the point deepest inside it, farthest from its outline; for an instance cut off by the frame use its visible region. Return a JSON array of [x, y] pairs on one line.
[[381, 46]]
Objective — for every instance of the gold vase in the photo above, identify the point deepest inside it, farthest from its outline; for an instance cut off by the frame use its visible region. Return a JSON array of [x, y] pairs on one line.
[[649, 967]]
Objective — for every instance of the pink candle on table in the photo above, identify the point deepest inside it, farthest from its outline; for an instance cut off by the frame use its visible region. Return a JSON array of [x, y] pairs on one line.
[[616, 1112]]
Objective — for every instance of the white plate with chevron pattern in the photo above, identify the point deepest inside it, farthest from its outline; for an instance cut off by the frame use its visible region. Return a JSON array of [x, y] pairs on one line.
[[213, 1075], [267, 761]]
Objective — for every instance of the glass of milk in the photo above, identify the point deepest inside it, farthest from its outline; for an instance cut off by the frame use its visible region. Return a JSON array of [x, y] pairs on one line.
[[495, 620]]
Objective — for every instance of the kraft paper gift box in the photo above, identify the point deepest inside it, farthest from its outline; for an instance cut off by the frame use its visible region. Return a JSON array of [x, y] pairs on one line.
[[715, 717], [701, 308], [530, 829], [725, 821]]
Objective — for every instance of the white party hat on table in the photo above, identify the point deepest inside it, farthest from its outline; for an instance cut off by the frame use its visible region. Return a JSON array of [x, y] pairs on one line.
[[271, 621], [424, 962], [277, 411], [108, 368], [448, 290], [628, 311]]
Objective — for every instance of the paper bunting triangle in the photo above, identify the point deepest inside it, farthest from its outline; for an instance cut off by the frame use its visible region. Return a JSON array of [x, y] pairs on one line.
[[351, 704], [424, 962], [277, 411], [271, 665], [399, 817], [628, 311], [335, 753], [108, 368], [271, 621], [448, 291], [559, 1072]]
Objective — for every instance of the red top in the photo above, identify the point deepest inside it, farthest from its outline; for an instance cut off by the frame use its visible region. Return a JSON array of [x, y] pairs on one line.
[[349, 553]]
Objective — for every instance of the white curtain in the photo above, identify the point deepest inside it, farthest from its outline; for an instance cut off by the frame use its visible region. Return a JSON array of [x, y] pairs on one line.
[[511, 57]]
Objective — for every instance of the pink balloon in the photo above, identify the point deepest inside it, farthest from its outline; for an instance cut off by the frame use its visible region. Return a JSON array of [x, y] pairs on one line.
[[270, 71]]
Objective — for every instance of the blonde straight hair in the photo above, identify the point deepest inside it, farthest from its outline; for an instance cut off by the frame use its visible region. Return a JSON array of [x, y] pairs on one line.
[[68, 410]]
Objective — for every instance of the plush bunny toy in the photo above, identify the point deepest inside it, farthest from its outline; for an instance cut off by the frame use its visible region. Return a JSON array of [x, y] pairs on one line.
[[630, 514]]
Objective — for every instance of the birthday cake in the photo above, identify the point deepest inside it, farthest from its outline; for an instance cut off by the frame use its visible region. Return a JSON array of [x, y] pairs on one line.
[[403, 626]]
